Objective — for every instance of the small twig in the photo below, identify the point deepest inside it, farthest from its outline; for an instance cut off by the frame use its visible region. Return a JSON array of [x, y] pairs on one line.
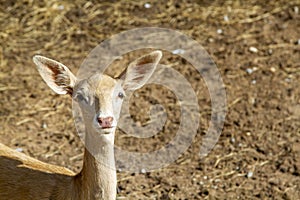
[[24, 121], [76, 157], [265, 15], [9, 88], [235, 102]]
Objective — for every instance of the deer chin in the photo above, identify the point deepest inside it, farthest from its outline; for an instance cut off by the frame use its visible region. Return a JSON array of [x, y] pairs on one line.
[[109, 130]]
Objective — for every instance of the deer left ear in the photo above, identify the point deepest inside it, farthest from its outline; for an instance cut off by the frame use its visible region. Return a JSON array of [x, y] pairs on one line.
[[139, 71], [57, 76]]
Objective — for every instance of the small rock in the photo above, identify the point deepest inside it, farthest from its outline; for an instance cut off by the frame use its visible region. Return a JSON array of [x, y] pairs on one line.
[[296, 9], [19, 149], [178, 51], [298, 42], [272, 69], [61, 7], [232, 140], [270, 51], [252, 100], [253, 49], [288, 80], [205, 177], [219, 31], [143, 171], [250, 174], [215, 187], [253, 82], [44, 125], [226, 19], [249, 70], [270, 154], [147, 5]]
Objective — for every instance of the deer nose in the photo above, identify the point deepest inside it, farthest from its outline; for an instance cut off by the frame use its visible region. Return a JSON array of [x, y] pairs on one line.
[[105, 122]]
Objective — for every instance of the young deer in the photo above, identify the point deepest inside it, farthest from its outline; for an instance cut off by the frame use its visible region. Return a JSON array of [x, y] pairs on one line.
[[100, 99]]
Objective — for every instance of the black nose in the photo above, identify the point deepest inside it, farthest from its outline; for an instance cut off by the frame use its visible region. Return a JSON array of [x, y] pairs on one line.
[[105, 122]]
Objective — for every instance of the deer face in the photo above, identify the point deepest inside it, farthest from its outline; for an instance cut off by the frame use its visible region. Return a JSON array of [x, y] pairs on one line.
[[100, 96]]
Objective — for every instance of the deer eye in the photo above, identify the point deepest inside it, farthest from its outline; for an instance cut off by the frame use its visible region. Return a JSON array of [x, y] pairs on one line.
[[80, 98], [120, 95]]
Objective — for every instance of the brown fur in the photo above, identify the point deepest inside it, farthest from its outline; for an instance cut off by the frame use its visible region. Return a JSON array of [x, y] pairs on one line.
[[23, 177]]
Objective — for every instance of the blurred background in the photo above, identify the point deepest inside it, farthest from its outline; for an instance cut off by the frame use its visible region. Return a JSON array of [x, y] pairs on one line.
[[256, 46]]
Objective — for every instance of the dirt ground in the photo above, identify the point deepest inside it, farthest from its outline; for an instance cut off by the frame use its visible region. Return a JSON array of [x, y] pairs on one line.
[[256, 46]]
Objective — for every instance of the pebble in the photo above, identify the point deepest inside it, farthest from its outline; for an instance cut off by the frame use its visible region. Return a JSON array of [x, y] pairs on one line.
[[19, 149], [61, 7], [288, 80], [253, 49], [219, 31], [272, 69], [44, 126], [253, 82], [226, 19], [232, 140], [270, 51], [143, 171], [296, 9], [252, 100], [249, 174], [215, 187], [178, 51], [298, 42], [147, 5], [249, 70]]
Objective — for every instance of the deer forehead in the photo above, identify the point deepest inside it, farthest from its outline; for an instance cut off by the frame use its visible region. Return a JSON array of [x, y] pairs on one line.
[[104, 86], [100, 86]]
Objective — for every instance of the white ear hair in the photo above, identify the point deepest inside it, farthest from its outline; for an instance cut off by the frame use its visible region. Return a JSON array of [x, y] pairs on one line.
[[139, 71], [57, 76]]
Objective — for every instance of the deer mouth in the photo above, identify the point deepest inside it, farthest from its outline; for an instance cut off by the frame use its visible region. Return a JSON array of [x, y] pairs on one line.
[[107, 130]]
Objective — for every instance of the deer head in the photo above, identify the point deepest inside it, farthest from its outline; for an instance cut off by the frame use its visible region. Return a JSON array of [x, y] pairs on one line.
[[100, 96]]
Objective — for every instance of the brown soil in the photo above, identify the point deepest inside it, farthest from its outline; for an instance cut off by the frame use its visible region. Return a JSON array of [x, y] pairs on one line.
[[262, 128]]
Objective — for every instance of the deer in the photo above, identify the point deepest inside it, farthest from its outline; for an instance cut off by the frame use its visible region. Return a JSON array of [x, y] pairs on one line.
[[100, 98]]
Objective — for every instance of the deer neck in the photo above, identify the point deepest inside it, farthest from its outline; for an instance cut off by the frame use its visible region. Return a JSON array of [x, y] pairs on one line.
[[98, 179]]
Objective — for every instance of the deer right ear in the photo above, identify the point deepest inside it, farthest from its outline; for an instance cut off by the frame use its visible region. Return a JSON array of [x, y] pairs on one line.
[[139, 71], [57, 76]]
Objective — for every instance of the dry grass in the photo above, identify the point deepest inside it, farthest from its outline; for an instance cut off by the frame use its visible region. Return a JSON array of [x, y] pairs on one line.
[[39, 122]]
